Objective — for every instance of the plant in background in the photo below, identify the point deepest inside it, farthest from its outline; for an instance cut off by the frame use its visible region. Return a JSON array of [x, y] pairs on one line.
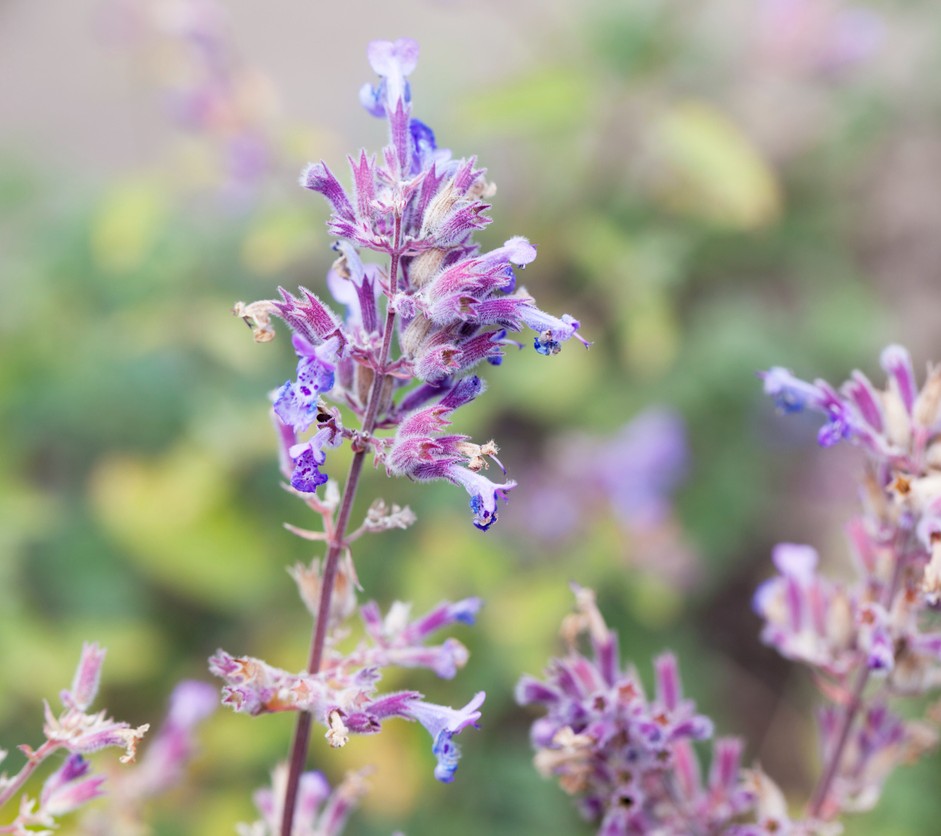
[[870, 642], [208, 90], [161, 767], [629, 478], [72, 785], [398, 362]]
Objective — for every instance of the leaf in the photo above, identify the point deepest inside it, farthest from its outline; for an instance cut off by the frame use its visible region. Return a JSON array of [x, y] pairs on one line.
[[546, 101], [705, 167], [176, 520], [127, 224]]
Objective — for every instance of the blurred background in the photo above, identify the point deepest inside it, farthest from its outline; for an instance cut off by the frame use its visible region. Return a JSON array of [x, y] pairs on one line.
[[714, 187]]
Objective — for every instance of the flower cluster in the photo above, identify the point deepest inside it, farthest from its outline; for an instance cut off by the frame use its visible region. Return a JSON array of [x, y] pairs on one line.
[[414, 327], [72, 785], [321, 811], [869, 638], [398, 363], [628, 758], [342, 695], [160, 768]]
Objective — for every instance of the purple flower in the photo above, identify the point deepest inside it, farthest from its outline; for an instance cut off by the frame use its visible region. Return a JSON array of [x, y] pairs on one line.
[[443, 724], [393, 62], [296, 403], [343, 695], [308, 457], [450, 305], [166, 756], [604, 740], [87, 676], [320, 809], [82, 733], [69, 787]]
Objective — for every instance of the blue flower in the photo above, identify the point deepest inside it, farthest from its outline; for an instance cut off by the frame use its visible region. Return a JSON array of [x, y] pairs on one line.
[[444, 723]]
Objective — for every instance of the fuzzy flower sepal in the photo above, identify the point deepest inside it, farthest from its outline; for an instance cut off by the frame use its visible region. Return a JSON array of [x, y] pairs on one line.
[[424, 452], [83, 733]]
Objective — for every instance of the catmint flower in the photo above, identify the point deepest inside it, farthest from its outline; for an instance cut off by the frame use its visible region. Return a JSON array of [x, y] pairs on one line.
[[173, 746], [402, 639], [72, 785], [87, 677], [160, 768], [878, 744], [437, 310], [807, 618], [83, 733], [605, 740], [69, 788], [343, 695], [893, 425], [393, 62], [321, 811], [443, 724], [724, 797], [897, 427], [867, 636]]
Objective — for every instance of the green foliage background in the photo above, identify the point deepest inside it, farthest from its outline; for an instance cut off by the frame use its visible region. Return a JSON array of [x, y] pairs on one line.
[[139, 494]]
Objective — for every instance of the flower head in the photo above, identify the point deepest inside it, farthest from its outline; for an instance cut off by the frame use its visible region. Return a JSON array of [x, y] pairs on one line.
[[415, 323]]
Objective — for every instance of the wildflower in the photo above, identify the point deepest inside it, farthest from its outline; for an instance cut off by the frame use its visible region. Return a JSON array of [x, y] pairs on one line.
[[69, 788], [83, 733], [443, 724], [343, 697], [609, 744], [72, 785], [321, 810], [418, 207], [869, 630]]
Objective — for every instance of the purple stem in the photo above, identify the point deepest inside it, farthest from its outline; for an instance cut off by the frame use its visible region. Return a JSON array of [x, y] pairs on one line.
[[819, 797], [301, 740], [32, 762], [822, 789]]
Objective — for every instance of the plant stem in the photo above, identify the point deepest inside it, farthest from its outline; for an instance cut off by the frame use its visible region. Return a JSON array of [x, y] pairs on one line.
[[819, 797], [298, 755], [34, 759], [822, 789]]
